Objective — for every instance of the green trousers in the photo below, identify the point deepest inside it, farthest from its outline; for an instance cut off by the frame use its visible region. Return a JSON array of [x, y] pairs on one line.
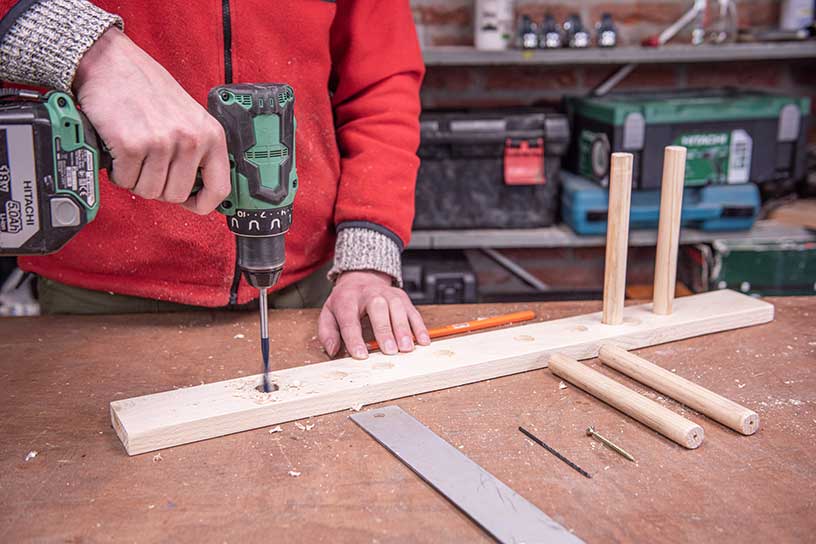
[[58, 298]]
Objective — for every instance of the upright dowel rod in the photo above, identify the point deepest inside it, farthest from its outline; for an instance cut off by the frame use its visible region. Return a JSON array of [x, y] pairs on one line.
[[668, 231], [617, 238], [718, 408]]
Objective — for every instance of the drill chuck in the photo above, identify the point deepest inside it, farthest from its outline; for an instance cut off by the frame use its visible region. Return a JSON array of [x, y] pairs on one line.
[[261, 259]]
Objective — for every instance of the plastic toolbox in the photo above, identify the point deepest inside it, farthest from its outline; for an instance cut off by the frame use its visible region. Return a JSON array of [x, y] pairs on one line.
[[584, 206], [489, 169], [731, 136]]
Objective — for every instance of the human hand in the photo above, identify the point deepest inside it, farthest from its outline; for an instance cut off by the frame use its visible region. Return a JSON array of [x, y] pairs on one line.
[[389, 309], [157, 134]]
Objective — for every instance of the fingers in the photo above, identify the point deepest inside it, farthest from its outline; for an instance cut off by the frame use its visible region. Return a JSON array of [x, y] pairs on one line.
[[154, 173], [183, 169], [400, 325], [328, 333], [418, 326], [378, 313], [348, 320], [127, 165], [215, 172]]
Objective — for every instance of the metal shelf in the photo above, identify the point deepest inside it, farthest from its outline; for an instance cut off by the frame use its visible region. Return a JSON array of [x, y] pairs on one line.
[[469, 56], [563, 236]]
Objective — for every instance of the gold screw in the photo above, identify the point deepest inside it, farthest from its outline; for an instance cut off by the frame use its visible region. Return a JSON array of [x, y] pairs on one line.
[[606, 442]]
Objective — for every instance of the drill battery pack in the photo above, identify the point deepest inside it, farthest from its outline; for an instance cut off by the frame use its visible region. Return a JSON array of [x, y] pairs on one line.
[[731, 136], [49, 164]]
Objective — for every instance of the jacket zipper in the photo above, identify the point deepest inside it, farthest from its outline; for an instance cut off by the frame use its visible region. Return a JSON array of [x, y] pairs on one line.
[[227, 26]]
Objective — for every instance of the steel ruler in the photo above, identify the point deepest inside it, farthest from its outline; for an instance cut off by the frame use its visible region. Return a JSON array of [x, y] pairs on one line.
[[503, 513]]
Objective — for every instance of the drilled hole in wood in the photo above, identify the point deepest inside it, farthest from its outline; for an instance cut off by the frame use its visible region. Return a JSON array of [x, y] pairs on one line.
[[272, 388]]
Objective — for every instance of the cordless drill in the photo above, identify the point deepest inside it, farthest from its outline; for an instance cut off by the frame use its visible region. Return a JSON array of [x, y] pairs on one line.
[[50, 158]]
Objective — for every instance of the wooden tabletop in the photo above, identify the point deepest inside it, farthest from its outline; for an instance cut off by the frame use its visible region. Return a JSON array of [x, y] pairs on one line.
[[58, 374]]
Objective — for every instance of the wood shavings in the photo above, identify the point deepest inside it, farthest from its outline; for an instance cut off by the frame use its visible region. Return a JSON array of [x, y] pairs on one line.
[[275, 430], [239, 336], [31, 455], [562, 385], [357, 407], [307, 427], [294, 473], [158, 458]]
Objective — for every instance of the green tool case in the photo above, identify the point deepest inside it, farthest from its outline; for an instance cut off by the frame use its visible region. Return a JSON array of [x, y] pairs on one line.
[[732, 136]]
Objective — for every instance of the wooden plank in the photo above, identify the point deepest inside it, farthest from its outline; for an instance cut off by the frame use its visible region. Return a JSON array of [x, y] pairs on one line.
[[800, 213], [668, 231], [186, 415], [617, 237]]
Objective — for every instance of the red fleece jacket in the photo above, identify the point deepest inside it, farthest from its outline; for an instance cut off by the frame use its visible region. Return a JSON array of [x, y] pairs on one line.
[[356, 69]]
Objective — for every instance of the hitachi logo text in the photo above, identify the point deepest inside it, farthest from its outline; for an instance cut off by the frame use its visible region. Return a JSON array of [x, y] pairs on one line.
[[30, 212], [696, 140]]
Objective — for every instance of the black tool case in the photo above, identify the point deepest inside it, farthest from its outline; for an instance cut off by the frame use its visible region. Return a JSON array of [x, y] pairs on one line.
[[489, 169], [439, 277]]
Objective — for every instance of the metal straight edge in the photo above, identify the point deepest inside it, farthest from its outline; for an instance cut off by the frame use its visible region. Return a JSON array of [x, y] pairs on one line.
[[504, 514]]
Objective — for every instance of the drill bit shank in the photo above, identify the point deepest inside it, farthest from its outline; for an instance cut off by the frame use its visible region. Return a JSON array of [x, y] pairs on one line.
[[262, 303]]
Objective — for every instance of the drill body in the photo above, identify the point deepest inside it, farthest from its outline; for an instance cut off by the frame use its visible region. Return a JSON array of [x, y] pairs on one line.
[[50, 158], [259, 122]]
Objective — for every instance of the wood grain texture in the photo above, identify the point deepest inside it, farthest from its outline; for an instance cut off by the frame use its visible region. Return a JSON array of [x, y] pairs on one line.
[[717, 407], [800, 212], [668, 230], [617, 237], [181, 416], [83, 488], [658, 418]]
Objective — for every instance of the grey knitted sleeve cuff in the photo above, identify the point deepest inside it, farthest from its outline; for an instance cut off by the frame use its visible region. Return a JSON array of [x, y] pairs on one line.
[[360, 248], [45, 40]]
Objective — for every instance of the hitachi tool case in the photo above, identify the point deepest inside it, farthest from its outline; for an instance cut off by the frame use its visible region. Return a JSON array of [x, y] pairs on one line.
[[489, 169], [732, 136]]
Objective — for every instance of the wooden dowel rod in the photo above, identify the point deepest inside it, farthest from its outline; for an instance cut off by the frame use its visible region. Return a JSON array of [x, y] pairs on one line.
[[668, 230], [677, 428], [717, 407], [617, 238]]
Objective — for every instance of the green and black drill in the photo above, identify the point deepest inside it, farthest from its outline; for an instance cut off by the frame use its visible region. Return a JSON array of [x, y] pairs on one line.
[[50, 158]]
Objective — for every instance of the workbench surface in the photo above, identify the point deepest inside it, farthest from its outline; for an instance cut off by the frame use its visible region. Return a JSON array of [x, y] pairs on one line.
[[58, 374]]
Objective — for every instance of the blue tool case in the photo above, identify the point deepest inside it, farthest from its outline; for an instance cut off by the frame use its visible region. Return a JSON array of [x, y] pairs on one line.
[[584, 206]]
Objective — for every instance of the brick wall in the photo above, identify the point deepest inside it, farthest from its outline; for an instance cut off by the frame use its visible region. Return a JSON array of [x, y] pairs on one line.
[[450, 22]]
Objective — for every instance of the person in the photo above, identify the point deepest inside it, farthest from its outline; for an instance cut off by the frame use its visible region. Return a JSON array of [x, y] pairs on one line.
[[141, 71]]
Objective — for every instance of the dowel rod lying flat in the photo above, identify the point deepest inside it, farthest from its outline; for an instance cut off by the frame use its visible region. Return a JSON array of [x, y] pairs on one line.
[[617, 237], [668, 231], [718, 408], [677, 428]]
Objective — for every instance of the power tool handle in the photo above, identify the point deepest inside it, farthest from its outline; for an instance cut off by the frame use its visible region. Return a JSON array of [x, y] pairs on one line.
[[106, 163]]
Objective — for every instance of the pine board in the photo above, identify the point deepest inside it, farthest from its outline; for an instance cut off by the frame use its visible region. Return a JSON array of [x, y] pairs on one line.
[[180, 416]]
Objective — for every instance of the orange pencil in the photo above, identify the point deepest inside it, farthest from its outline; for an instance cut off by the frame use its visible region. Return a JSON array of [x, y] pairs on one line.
[[470, 326]]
